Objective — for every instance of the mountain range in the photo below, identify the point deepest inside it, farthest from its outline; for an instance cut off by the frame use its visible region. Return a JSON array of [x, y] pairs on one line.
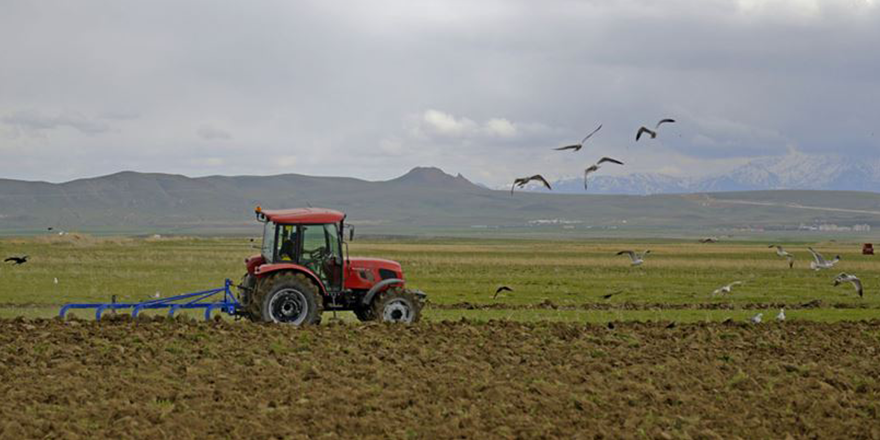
[[792, 171], [423, 201]]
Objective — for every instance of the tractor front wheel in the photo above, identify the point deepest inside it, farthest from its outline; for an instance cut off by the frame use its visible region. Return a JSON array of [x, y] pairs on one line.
[[397, 305], [289, 299]]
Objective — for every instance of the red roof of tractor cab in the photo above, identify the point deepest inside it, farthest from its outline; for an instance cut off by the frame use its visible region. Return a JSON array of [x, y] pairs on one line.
[[304, 215]]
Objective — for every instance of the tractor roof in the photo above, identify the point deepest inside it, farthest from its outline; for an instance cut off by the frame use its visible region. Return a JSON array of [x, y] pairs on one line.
[[304, 215]]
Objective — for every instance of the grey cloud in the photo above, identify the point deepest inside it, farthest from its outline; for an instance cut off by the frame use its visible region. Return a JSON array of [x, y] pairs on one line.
[[30, 121], [343, 87], [210, 133]]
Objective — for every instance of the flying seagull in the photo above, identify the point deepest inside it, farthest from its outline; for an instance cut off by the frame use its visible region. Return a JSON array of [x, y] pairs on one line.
[[781, 315], [637, 259], [820, 262], [577, 147], [17, 260], [847, 278], [652, 133], [726, 289], [757, 318], [595, 167], [501, 289], [782, 253], [522, 181]]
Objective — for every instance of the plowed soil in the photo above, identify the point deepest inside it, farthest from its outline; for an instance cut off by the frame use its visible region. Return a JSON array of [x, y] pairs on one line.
[[161, 378]]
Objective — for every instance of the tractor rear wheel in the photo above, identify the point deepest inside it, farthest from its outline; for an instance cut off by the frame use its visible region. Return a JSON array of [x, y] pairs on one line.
[[397, 305], [288, 298]]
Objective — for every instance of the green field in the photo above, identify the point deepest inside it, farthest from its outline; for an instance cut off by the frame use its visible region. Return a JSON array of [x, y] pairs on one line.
[[552, 280]]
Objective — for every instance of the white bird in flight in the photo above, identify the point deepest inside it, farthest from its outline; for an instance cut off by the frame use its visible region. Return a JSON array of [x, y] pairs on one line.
[[847, 278], [783, 253], [652, 133], [637, 258], [820, 262], [595, 167], [577, 147], [726, 289]]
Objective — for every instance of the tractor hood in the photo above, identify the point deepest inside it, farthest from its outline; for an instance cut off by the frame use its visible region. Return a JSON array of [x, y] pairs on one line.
[[375, 264], [364, 273]]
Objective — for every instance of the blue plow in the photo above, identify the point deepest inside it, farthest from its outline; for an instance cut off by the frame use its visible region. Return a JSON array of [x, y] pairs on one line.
[[215, 299]]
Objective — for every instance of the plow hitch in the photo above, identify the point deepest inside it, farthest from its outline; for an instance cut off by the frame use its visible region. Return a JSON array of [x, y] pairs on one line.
[[206, 299]]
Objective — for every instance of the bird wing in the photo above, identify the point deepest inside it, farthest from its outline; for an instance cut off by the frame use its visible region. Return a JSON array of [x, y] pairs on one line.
[[642, 130], [735, 283], [857, 283], [608, 159], [542, 179], [591, 133], [632, 255], [590, 169], [817, 256], [9, 259], [502, 289], [512, 186], [663, 121], [574, 147]]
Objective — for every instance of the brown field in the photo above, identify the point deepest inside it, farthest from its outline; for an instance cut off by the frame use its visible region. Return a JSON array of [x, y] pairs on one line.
[[181, 379]]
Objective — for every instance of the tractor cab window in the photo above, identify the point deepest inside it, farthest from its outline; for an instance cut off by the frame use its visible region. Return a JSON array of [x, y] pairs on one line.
[[321, 252], [268, 249], [287, 242], [314, 247]]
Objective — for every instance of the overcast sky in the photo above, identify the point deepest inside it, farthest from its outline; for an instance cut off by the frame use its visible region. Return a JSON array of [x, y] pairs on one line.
[[484, 88]]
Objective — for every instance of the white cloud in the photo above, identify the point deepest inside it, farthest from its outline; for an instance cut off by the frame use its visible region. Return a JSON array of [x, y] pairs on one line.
[[444, 124], [500, 127]]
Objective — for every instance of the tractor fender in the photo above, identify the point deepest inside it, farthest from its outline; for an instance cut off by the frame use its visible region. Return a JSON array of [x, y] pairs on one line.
[[267, 269], [378, 287]]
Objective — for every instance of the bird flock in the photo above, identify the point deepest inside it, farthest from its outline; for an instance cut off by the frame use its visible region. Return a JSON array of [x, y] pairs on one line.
[[818, 263], [521, 182]]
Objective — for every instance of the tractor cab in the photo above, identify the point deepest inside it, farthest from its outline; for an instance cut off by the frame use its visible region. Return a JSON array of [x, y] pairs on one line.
[[300, 239], [306, 247]]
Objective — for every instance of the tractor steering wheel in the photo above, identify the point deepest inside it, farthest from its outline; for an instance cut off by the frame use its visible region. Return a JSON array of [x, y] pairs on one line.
[[318, 254]]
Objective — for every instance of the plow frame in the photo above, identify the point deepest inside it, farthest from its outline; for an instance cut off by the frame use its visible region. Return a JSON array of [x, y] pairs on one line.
[[195, 300]]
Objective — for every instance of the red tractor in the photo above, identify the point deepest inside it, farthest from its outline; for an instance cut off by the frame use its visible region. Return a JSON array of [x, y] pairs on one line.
[[302, 271]]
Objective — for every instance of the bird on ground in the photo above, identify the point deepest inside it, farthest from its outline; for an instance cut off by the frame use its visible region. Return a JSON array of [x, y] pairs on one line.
[[595, 167], [671, 325], [709, 240], [726, 289], [637, 258], [17, 260], [781, 315], [577, 147], [56, 280], [847, 278], [609, 295], [757, 318], [157, 295], [783, 253], [652, 133], [501, 289], [523, 181], [820, 262]]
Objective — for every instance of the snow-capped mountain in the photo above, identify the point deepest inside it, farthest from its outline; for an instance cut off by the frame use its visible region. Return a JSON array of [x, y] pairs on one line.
[[793, 171]]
